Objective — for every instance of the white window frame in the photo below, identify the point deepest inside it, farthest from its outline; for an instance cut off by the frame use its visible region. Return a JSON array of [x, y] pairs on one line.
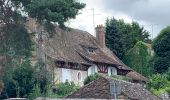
[[112, 71], [92, 70]]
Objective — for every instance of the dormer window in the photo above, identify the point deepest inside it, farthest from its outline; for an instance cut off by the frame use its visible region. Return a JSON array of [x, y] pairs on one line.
[[91, 50], [112, 71]]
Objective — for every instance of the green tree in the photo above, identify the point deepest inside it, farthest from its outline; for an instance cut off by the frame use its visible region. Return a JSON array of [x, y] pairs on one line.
[[58, 11], [121, 36], [19, 82], [42, 76], [161, 46], [138, 58], [158, 81], [115, 38]]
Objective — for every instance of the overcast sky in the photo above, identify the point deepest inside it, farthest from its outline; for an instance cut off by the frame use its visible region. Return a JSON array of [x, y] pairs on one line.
[[152, 14]]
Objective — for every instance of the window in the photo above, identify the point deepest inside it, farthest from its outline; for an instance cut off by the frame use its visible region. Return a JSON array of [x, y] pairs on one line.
[[115, 89], [79, 76], [91, 50], [66, 74], [112, 71], [92, 70]]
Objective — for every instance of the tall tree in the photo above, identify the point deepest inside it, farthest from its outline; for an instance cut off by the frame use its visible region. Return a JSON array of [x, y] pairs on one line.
[[16, 41], [161, 46], [121, 36], [138, 58], [14, 37], [114, 37]]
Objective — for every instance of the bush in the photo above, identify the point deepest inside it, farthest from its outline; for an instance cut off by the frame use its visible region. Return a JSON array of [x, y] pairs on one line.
[[18, 82], [35, 93], [25, 81], [158, 81], [91, 78], [63, 89]]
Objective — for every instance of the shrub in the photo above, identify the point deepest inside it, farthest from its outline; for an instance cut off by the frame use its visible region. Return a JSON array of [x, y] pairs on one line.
[[36, 92], [63, 89], [125, 78], [158, 81], [91, 78], [18, 81]]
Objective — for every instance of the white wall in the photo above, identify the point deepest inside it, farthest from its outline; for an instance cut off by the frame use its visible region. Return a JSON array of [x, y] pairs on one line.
[[66, 74], [63, 74]]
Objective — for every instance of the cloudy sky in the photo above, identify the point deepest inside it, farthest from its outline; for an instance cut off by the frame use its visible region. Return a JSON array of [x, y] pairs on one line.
[[152, 14]]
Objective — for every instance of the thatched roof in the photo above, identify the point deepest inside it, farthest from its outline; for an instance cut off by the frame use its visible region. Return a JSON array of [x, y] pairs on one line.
[[73, 45]]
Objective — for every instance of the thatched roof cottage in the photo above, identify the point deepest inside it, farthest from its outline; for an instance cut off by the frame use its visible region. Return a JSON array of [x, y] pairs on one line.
[[75, 54]]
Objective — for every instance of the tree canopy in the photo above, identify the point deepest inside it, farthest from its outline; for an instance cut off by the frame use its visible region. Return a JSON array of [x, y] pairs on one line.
[[15, 40], [161, 46], [138, 58], [58, 11], [121, 36], [17, 43]]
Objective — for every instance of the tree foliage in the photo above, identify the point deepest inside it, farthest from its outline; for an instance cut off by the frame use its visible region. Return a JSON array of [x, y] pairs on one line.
[[16, 42], [58, 11], [63, 89], [22, 79], [158, 81], [91, 78], [114, 37], [19, 82], [138, 58], [161, 46], [159, 84], [121, 36]]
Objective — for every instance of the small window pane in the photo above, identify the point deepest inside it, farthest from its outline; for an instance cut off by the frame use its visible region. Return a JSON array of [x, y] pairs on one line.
[[79, 76]]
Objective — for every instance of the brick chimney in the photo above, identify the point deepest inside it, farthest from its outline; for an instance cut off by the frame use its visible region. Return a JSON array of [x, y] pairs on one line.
[[100, 35]]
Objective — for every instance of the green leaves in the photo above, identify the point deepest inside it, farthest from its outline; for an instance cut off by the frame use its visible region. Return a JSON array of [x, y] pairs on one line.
[[91, 78], [114, 37], [63, 89], [138, 58], [121, 36], [58, 11], [17, 41], [161, 46], [158, 81]]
